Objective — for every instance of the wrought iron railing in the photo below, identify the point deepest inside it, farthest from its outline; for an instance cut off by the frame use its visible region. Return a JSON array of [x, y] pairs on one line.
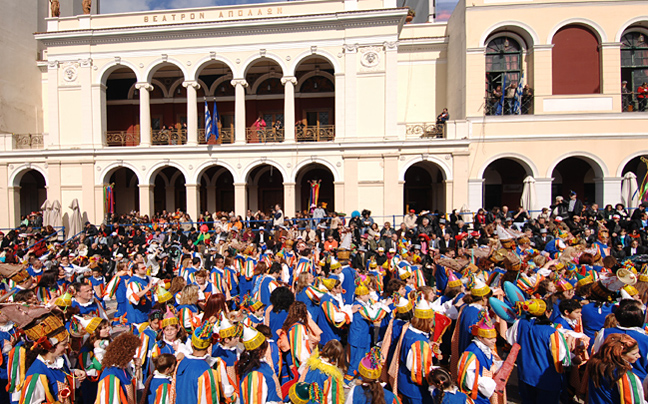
[[318, 133], [225, 136], [168, 137], [425, 130], [508, 106], [28, 140], [267, 135], [122, 138], [630, 102]]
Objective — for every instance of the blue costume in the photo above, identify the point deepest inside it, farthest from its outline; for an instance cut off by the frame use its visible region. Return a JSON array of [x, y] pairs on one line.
[[640, 367], [138, 313], [594, 317], [348, 284], [359, 339], [411, 382]]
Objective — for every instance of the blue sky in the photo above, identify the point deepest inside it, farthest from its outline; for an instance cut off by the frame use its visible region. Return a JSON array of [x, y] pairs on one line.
[[121, 6]]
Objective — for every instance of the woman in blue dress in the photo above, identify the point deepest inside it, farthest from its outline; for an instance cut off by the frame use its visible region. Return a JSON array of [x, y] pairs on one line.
[[259, 384]]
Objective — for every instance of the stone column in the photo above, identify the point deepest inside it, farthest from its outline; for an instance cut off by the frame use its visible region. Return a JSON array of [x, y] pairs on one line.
[[391, 90], [170, 198], [611, 190], [289, 199], [611, 72], [86, 111], [192, 113], [392, 203], [192, 200], [52, 140], [289, 107], [145, 113], [475, 194], [146, 199], [543, 194], [239, 198], [541, 79], [14, 206], [350, 90], [339, 196], [239, 111]]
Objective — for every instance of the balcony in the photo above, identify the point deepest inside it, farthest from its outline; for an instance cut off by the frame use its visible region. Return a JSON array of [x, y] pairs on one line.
[[318, 133], [27, 140], [266, 135], [121, 139], [424, 130], [631, 103], [509, 106], [225, 136], [168, 137]]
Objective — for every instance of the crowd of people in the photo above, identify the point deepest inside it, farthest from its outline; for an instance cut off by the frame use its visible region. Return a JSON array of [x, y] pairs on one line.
[[327, 309]]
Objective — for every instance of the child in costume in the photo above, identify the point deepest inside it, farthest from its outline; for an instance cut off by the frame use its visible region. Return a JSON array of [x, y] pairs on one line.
[[611, 379], [158, 385], [92, 353], [370, 391], [259, 384], [227, 348], [443, 389], [479, 363], [326, 369], [173, 337], [118, 384], [543, 353], [334, 313], [199, 378]]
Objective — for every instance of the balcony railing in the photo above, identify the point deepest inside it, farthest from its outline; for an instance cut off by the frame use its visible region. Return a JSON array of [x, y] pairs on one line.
[[631, 103], [495, 106], [267, 135], [425, 130], [318, 133], [28, 140], [224, 136], [121, 138], [168, 137]]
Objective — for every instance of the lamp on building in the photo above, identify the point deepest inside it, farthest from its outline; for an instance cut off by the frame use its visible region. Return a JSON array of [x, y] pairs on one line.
[[268, 86], [314, 84], [641, 38], [506, 43]]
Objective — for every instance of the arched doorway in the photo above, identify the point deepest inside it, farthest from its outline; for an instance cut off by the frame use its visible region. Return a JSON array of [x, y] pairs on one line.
[[32, 192], [168, 106], [264, 188], [215, 80], [122, 109], [265, 99], [216, 190], [169, 193], [125, 189], [315, 100], [314, 172], [503, 183], [424, 188], [579, 175]]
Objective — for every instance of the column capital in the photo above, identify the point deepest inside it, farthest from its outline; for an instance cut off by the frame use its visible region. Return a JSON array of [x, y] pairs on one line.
[[53, 64], [143, 186], [144, 86], [610, 45], [350, 48], [239, 82], [289, 184], [289, 79], [239, 184], [85, 62], [192, 185], [390, 46], [191, 83]]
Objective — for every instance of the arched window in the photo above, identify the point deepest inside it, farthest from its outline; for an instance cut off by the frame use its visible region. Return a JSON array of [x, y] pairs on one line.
[[503, 69], [575, 61], [634, 66]]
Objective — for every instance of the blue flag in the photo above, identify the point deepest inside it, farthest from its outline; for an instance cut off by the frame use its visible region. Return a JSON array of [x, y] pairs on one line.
[[215, 119], [517, 106], [208, 122], [500, 104]]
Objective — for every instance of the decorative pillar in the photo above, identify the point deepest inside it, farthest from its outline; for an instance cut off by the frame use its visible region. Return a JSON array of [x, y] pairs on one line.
[[475, 194], [540, 77], [146, 199], [391, 89], [99, 113], [145, 113], [170, 198], [339, 196], [392, 203], [350, 90], [543, 194], [611, 190], [52, 139], [239, 112], [192, 200], [239, 198], [86, 111], [611, 72], [192, 113], [211, 198], [14, 206], [289, 108], [339, 106], [289, 199]]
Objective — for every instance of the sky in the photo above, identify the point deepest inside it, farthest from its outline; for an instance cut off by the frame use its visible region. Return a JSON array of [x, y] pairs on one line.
[[444, 9]]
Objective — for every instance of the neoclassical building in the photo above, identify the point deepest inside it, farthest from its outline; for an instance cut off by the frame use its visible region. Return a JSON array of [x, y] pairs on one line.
[[349, 92]]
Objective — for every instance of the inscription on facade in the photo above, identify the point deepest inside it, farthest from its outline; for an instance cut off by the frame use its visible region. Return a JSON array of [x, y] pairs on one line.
[[213, 15]]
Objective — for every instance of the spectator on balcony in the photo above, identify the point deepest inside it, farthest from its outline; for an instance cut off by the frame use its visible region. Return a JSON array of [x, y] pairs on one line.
[[642, 96], [443, 117], [527, 97], [496, 96], [510, 98], [259, 127], [626, 96], [277, 126]]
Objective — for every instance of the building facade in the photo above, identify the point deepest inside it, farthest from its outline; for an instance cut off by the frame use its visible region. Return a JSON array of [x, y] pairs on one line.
[[342, 92]]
